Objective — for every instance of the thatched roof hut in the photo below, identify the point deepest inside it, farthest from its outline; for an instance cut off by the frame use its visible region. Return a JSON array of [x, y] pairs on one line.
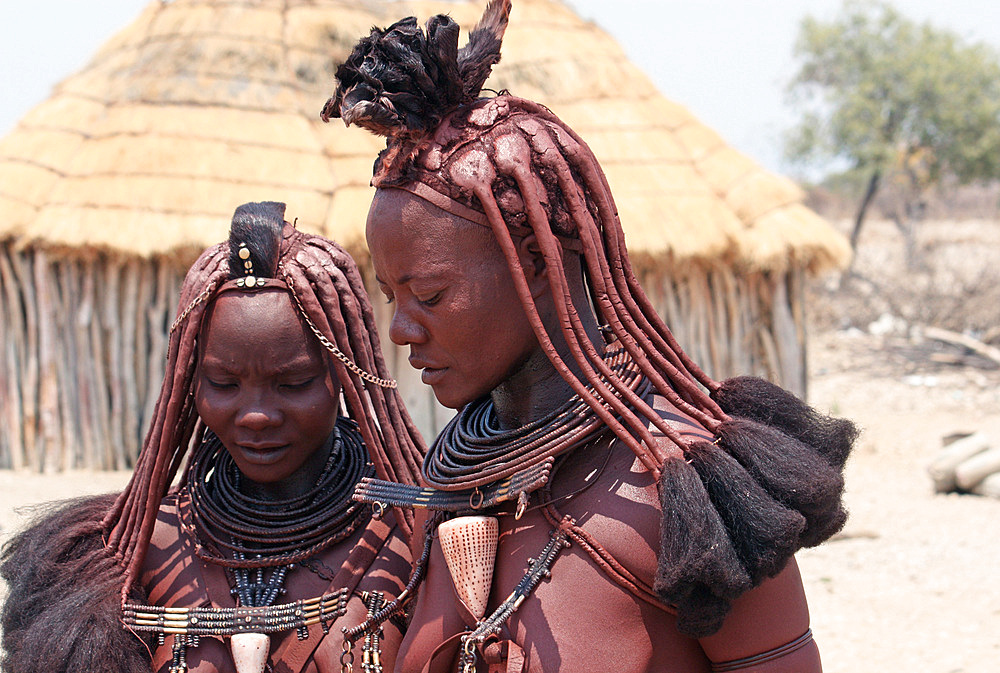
[[111, 187]]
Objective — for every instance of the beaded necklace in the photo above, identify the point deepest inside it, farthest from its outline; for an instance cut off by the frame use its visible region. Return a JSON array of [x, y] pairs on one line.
[[234, 530], [258, 542], [475, 464], [473, 450]]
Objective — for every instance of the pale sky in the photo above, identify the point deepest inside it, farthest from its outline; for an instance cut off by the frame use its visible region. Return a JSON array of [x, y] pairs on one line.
[[726, 60]]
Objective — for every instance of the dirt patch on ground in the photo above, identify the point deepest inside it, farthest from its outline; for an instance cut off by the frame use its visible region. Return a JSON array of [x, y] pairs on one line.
[[911, 583]]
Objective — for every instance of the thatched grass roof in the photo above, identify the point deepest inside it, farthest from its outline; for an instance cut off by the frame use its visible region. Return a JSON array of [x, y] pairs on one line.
[[201, 105]]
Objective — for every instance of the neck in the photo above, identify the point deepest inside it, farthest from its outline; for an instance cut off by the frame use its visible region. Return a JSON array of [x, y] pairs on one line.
[[536, 388], [532, 392]]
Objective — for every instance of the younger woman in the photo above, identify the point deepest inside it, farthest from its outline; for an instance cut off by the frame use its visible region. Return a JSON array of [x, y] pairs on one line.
[[275, 403]]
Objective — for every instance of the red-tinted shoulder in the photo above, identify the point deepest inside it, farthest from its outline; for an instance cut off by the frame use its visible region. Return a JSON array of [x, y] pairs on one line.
[[171, 572], [680, 421], [391, 568], [768, 619]]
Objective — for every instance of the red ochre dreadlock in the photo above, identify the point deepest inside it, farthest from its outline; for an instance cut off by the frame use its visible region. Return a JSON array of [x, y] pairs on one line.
[[512, 165], [328, 290]]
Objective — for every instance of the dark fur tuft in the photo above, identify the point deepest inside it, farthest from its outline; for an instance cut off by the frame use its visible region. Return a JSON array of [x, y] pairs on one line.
[[258, 226], [63, 609], [698, 569], [763, 532], [792, 472], [477, 58], [402, 81], [734, 514], [759, 400]]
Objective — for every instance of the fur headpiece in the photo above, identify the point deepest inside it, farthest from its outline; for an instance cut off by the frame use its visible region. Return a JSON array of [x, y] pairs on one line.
[[401, 81]]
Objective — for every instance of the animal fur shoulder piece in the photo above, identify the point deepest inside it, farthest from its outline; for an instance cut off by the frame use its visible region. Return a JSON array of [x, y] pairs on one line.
[[63, 609]]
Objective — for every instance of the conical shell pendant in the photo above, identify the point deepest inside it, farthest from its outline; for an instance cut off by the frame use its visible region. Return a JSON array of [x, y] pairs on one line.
[[250, 651], [469, 544]]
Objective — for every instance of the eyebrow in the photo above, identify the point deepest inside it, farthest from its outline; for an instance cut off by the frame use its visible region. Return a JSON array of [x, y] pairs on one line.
[[299, 365], [402, 281]]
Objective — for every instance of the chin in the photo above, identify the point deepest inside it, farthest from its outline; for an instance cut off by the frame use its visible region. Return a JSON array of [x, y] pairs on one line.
[[448, 400], [456, 399], [260, 475], [451, 398]]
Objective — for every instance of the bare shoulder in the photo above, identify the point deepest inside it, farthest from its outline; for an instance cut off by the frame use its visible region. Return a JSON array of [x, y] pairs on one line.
[[684, 424], [167, 568], [621, 508], [392, 565], [167, 532]]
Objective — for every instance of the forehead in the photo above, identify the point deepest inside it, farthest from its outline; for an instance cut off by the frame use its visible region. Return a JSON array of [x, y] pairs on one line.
[[243, 324], [408, 236]]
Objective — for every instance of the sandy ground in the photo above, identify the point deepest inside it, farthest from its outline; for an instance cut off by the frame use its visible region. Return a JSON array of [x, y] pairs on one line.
[[912, 583]]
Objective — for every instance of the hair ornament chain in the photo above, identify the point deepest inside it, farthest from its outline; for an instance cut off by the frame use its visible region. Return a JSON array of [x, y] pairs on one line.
[[330, 346], [205, 294]]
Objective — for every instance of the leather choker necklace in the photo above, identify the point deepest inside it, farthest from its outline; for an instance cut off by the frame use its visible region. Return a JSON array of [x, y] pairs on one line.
[[235, 530], [475, 464]]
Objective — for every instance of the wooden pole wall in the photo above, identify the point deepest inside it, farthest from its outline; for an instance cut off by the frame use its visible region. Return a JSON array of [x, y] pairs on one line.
[[83, 354], [736, 323], [83, 346]]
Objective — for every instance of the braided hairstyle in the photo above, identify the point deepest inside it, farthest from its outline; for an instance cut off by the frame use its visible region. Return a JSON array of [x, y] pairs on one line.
[[326, 286], [734, 509], [70, 572]]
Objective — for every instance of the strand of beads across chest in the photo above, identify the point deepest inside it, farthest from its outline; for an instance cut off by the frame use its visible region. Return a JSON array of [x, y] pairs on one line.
[[258, 544]]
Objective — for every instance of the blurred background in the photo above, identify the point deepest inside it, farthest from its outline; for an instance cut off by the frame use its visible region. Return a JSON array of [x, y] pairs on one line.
[[809, 190]]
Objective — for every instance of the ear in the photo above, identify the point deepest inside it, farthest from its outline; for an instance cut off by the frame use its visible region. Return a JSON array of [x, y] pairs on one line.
[[533, 264]]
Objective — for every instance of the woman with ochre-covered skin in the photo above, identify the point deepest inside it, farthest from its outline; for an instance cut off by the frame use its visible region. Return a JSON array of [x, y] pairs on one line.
[[645, 516], [260, 551]]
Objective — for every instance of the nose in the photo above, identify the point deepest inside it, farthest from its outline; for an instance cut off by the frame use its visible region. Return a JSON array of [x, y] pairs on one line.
[[404, 330], [258, 412]]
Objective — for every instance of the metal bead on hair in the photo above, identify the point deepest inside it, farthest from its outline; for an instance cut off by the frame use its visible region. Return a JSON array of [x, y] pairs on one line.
[[249, 280]]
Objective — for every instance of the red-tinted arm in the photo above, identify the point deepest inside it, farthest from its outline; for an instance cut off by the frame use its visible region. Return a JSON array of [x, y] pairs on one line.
[[767, 630]]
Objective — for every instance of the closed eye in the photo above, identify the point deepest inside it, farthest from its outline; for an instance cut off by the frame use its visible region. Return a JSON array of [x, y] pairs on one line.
[[430, 301], [299, 385]]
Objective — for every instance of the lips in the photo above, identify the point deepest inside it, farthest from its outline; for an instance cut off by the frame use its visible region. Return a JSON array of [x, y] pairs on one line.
[[262, 454], [429, 376], [429, 373]]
